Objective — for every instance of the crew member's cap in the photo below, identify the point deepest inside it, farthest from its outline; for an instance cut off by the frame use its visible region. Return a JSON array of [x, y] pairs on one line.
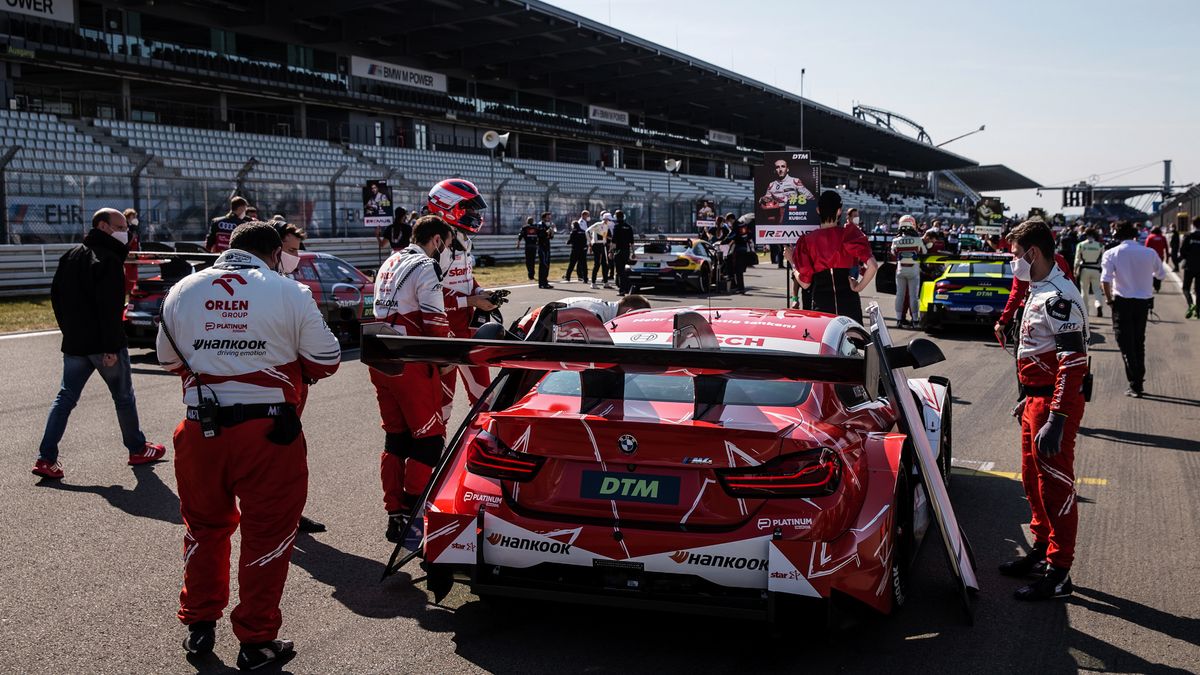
[[606, 216]]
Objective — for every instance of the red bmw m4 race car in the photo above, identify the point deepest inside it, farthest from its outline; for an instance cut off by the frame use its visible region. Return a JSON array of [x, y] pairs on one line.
[[732, 461]]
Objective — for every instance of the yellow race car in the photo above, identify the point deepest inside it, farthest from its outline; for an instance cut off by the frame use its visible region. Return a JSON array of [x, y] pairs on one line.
[[963, 289]]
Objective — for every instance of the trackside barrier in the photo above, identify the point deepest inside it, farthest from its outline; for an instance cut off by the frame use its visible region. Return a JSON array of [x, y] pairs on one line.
[[28, 269]]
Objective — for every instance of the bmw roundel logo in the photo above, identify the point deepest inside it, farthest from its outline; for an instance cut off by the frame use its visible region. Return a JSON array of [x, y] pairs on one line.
[[627, 444]]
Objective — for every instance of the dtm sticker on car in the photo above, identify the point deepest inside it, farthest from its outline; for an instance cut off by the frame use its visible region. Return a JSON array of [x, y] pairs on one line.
[[624, 487]]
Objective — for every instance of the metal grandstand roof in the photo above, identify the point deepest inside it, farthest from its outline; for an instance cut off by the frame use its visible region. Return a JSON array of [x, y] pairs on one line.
[[532, 47], [992, 177]]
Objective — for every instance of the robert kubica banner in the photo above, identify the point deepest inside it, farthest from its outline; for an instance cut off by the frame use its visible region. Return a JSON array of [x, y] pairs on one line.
[[377, 203], [785, 190]]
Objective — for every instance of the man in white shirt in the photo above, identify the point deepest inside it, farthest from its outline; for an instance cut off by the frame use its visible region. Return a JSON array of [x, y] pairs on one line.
[[1127, 274], [597, 239]]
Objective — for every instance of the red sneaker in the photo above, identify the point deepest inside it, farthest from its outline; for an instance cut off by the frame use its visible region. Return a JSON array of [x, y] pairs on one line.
[[47, 470], [151, 453]]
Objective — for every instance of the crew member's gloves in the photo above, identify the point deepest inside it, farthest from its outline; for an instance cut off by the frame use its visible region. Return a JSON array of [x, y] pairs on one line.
[[1049, 438], [1019, 409]]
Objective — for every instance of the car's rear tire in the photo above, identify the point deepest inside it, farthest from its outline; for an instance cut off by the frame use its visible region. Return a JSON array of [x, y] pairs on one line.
[[705, 285]]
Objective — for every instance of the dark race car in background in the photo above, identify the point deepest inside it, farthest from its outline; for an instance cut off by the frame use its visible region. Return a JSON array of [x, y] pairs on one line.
[[344, 294], [738, 462], [675, 263]]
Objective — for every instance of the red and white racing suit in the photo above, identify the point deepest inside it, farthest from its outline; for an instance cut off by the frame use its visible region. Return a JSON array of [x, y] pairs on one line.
[[458, 284], [251, 336], [1051, 365], [408, 296]]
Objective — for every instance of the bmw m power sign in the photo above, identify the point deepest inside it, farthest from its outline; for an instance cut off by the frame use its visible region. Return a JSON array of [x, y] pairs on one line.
[[401, 75]]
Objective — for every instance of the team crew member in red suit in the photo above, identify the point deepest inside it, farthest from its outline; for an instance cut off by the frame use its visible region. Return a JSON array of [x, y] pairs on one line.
[[243, 338], [408, 296], [1156, 242], [1051, 365], [459, 203], [221, 228], [824, 259], [1016, 297]]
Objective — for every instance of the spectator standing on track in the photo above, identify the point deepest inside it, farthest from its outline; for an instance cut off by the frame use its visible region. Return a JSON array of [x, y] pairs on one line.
[[1067, 243], [741, 246], [88, 296], [241, 456], [135, 244], [1051, 366], [528, 236], [545, 233], [577, 239], [598, 235], [221, 228], [622, 238], [398, 234], [1156, 242], [908, 248], [1087, 269], [409, 297], [1176, 239], [1126, 272], [292, 241], [1189, 255], [823, 259]]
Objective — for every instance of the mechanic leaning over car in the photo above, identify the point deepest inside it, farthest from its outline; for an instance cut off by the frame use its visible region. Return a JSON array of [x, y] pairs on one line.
[[1052, 364], [408, 297], [823, 258], [243, 338], [908, 247], [460, 204]]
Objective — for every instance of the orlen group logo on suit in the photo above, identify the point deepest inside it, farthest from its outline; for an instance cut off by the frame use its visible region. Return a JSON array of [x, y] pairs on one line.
[[226, 281]]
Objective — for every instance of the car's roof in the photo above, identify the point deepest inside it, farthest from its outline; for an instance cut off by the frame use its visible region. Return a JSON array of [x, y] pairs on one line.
[[791, 330]]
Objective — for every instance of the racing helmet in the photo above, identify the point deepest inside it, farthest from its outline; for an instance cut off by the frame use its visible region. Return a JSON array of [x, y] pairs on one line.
[[907, 221], [459, 203]]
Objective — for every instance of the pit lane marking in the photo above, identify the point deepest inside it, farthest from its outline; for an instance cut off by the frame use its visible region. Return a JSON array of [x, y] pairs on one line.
[[969, 467]]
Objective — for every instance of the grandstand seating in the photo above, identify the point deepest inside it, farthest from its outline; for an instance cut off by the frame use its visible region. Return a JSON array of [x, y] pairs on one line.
[[51, 146], [657, 181], [579, 178], [218, 155], [427, 167]]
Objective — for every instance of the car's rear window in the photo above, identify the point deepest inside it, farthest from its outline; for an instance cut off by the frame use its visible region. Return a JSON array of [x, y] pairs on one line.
[[980, 269], [664, 247], [680, 389]]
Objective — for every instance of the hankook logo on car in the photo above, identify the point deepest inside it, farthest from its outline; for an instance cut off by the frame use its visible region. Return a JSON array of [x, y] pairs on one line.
[[722, 561], [522, 544]]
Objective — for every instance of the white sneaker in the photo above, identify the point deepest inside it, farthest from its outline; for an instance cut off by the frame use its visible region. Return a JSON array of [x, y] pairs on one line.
[[594, 285]]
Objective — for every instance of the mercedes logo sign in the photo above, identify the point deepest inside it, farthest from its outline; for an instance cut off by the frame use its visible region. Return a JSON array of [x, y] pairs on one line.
[[627, 444]]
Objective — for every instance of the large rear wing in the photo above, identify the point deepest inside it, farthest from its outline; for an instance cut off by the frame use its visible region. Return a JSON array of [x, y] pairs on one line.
[[580, 343]]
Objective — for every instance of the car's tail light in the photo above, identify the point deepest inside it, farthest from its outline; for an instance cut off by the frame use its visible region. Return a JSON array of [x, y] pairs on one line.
[[943, 287], [680, 262], [487, 456], [812, 473]]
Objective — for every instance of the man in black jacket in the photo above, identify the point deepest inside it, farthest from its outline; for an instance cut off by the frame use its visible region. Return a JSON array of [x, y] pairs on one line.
[[577, 239], [622, 238], [88, 295]]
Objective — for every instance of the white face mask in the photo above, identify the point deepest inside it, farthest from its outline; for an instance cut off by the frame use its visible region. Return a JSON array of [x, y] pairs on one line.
[[120, 235], [288, 262], [133, 223], [1021, 268], [856, 220]]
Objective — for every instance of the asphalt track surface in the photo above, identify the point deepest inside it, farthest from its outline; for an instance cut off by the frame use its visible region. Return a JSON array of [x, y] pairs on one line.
[[90, 567]]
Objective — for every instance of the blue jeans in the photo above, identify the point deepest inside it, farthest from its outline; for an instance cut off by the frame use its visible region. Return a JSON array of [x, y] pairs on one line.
[[76, 372]]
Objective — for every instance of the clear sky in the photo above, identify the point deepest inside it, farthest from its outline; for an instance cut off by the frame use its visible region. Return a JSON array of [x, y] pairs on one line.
[[1067, 89]]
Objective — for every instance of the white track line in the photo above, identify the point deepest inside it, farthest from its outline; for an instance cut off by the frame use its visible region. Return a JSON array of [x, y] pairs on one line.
[[39, 333]]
